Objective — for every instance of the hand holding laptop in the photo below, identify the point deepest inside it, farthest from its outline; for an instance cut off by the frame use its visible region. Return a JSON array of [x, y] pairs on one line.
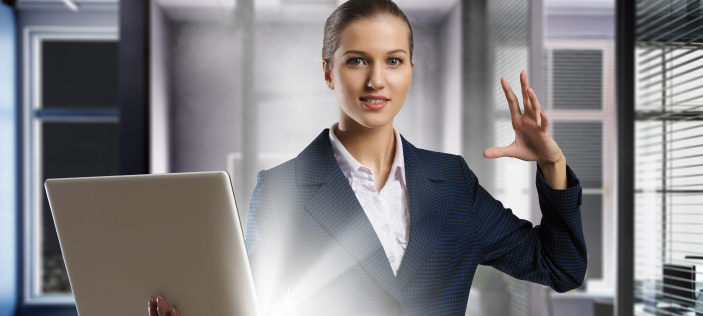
[[159, 307]]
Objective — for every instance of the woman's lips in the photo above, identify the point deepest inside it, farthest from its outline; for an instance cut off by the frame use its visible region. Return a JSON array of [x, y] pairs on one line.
[[374, 103]]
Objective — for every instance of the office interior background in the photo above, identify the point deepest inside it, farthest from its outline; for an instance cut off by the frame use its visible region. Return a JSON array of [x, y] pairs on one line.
[[108, 87]]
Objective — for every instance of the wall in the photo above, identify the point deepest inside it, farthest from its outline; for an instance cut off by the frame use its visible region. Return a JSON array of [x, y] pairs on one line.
[[205, 95], [585, 23], [8, 104]]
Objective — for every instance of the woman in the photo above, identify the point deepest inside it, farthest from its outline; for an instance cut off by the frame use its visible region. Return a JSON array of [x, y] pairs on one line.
[[364, 223]]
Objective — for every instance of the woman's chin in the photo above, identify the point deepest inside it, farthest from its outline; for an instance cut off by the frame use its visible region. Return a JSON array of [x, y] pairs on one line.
[[375, 120], [371, 119]]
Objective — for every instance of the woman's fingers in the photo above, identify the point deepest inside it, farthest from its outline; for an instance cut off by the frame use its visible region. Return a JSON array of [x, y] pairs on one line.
[[175, 312], [510, 96], [497, 152], [153, 308], [545, 121], [525, 85], [535, 104], [529, 99], [162, 306]]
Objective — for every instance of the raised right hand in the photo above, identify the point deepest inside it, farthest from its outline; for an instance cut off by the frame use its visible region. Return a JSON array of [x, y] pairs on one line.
[[159, 307]]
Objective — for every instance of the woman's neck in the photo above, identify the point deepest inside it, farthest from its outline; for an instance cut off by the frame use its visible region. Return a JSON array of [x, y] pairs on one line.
[[371, 147]]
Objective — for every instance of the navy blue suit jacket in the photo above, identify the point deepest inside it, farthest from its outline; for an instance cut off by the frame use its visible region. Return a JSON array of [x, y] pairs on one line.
[[312, 247]]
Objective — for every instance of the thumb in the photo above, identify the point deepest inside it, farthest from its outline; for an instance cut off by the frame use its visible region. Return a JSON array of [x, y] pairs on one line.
[[497, 152]]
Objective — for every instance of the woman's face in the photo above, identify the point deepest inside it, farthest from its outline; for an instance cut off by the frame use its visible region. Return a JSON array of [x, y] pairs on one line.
[[371, 70]]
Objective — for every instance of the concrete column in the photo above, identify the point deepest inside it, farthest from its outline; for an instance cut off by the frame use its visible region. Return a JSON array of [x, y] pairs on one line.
[[250, 117], [476, 128]]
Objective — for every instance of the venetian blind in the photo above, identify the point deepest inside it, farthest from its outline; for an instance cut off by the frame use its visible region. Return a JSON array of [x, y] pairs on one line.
[[577, 79], [668, 157]]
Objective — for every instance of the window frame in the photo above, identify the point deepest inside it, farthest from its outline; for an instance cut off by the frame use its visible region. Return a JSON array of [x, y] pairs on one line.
[[607, 116], [32, 119]]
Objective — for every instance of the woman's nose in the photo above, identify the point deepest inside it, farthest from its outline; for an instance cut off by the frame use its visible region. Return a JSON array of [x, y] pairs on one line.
[[376, 78]]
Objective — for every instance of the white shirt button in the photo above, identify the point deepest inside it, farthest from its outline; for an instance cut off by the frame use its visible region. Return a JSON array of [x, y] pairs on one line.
[[391, 259], [383, 201]]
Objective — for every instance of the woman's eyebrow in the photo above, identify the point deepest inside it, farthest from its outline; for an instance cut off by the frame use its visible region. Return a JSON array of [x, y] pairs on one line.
[[397, 51], [358, 52]]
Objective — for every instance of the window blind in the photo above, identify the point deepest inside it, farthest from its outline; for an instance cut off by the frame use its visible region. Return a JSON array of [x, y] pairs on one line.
[[577, 79], [668, 157]]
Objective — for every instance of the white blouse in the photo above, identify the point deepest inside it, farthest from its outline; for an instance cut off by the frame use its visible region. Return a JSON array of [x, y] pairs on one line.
[[387, 210]]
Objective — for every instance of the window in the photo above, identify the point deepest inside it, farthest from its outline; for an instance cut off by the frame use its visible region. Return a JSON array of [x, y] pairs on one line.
[[668, 137], [71, 127], [580, 102]]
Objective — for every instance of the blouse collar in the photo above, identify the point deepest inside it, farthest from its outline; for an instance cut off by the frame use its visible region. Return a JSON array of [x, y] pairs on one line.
[[349, 165]]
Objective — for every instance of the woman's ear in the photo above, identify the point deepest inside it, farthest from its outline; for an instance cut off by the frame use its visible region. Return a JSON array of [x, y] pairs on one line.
[[412, 64], [328, 76]]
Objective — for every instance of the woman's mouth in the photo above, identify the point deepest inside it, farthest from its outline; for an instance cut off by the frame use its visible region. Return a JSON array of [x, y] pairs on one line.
[[374, 102]]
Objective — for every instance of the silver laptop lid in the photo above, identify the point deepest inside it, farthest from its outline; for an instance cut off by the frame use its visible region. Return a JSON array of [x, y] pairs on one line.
[[126, 239]]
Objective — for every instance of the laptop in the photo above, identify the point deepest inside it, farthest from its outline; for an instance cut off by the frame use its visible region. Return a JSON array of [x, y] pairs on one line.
[[126, 239]]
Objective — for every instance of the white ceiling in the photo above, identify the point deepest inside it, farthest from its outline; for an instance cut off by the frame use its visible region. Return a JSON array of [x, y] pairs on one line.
[[408, 5], [439, 5], [403, 4], [292, 10]]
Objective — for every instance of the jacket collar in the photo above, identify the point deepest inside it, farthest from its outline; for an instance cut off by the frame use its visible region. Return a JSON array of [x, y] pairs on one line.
[[337, 209], [317, 162], [428, 203]]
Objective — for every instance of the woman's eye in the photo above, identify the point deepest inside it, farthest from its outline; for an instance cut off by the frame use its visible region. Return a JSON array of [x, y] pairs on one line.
[[356, 61], [394, 61]]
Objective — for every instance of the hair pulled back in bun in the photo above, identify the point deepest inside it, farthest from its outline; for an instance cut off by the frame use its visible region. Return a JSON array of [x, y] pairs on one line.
[[354, 10]]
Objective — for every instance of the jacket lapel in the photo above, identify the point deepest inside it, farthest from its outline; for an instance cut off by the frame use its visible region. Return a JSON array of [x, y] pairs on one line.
[[428, 203], [338, 211]]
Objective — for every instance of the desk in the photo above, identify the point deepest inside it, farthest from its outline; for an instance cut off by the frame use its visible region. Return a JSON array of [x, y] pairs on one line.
[[665, 310]]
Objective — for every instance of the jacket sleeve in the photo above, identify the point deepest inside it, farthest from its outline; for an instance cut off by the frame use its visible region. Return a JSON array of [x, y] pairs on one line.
[[264, 247], [552, 253]]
